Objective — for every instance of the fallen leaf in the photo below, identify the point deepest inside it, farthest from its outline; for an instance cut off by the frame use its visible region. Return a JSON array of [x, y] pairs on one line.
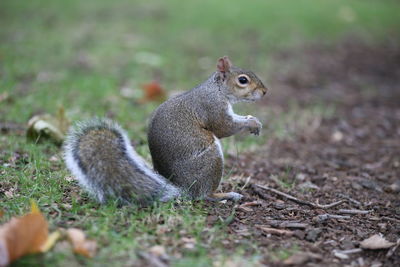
[[376, 241], [80, 244], [23, 235], [48, 126], [51, 240], [153, 92]]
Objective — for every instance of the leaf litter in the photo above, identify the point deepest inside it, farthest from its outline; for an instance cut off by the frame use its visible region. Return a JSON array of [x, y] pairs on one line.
[[29, 234], [351, 159]]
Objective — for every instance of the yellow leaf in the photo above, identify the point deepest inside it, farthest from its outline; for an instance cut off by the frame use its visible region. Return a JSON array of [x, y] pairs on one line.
[[34, 207], [51, 240]]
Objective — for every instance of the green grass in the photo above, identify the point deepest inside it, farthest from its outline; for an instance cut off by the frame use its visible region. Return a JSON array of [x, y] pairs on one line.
[[79, 54]]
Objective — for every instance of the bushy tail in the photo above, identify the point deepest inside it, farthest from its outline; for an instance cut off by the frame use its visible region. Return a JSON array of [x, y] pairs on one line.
[[98, 152]]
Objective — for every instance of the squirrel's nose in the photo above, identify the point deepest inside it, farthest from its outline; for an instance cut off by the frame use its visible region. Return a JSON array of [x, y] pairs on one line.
[[264, 90]]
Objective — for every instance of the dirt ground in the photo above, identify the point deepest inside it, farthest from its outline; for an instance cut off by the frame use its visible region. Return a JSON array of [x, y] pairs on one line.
[[353, 156]]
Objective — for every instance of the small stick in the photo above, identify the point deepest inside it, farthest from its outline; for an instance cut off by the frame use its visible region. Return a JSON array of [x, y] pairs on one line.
[[390, 219], [299, 201], [261, 194], [246, 183], [393, 249], [324, 217], [352, 200], [288, 224], [294, 225], [350, 251], [345, 211], [274, 231]]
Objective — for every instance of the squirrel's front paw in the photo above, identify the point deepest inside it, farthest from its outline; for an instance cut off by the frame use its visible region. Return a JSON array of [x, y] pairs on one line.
[[254, 125]]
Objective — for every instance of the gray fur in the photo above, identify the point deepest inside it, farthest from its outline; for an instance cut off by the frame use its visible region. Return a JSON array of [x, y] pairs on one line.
[[120, 173], [183, 135]]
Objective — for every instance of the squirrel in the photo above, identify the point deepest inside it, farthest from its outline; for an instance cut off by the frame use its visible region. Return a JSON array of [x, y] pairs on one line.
[[183, 137]]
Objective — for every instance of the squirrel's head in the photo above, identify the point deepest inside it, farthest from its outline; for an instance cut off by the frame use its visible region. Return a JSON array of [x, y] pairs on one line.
[[240, 85]]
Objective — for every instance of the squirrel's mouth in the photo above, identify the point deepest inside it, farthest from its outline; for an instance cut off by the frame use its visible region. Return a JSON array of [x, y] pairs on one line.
[[257, 95]]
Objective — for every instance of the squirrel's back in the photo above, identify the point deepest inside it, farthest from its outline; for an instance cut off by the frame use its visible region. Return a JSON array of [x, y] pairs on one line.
[[99, 154]]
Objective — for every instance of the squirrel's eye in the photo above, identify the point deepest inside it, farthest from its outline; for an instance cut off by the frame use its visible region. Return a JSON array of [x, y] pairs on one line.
[[243, 80]]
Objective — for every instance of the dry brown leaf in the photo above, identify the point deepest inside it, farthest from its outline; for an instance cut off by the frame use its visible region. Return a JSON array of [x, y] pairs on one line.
[[376, 241], [153, 92], [48, 126], [23, 235], [81, 245]]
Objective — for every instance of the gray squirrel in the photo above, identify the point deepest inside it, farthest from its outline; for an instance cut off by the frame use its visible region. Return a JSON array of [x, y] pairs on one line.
[[183, 137]]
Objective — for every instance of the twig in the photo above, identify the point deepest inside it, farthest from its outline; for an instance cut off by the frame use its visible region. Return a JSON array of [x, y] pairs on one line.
[[352, 200], [390, 219], [344, 211], [324, 217], [393, 249], [287, 224], [350, 251], [246, 183], [261, 194], [343, 254], [299, 201], [274, 231]]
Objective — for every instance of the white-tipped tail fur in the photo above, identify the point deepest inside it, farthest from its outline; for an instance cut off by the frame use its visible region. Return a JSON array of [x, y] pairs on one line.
[[91, 152]]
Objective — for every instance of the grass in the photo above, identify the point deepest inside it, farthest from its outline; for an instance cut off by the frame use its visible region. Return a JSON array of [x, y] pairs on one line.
[[79, 54]]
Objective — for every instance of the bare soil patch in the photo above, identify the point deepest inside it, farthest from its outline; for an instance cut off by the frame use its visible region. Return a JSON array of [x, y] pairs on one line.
[[353, 156]]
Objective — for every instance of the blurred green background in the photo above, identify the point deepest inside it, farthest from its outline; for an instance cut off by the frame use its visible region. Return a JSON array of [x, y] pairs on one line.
[[78, 53]]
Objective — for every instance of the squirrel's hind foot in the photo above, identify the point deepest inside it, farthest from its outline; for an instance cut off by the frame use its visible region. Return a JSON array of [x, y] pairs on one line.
[[233, 196]]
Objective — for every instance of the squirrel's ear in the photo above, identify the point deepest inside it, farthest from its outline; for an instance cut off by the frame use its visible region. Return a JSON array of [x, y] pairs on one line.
[[224, 64]]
